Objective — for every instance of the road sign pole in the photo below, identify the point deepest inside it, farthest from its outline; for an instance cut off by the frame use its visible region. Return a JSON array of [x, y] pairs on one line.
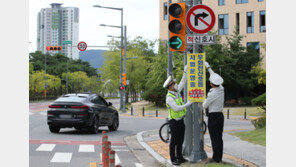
[[198, 152], [187, 145]]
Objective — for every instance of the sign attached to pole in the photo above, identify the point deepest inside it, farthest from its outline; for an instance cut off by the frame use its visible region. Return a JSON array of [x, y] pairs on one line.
[[200, 19], [66, 42], [201, 39], [196, 77], [82, 46]]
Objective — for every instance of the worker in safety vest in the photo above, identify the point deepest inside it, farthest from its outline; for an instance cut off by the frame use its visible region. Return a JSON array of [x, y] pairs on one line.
[[214, 104], [177, 111]]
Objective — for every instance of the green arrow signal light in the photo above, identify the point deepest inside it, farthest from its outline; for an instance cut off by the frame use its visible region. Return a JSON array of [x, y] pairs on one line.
[[175, 42]]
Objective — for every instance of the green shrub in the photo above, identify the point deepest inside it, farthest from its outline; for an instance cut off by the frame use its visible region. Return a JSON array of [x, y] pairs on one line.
[[259, 122], [260, 101]]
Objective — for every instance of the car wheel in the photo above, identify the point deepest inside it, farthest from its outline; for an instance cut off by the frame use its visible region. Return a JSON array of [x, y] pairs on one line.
[[115, 124], [95, 126], [54, 129]]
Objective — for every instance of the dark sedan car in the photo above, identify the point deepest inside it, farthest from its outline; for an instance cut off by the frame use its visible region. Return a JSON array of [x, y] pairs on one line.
[[82, 110]]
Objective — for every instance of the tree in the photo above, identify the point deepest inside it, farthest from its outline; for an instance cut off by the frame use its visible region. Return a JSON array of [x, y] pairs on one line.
[[136, 68], [236, 63], [37, 82], [57, 64]]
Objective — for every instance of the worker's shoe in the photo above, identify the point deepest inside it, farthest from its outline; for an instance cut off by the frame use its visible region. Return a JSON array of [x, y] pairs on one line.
[[176, 162], [182, 160], [210, 161]]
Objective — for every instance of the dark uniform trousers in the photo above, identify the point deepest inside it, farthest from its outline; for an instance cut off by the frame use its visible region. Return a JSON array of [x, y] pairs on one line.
[[215, 125], [177, 138]]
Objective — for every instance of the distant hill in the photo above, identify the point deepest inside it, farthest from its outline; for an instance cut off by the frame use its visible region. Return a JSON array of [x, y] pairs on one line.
[[94, 57]]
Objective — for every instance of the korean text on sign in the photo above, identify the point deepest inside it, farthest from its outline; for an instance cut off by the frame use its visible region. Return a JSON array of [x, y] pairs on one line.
[[196, 77]]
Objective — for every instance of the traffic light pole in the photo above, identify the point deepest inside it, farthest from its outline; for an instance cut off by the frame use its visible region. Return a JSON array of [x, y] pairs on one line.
[[198, 152], [124, 69], [45, 84], [170, 58], [121, 46]]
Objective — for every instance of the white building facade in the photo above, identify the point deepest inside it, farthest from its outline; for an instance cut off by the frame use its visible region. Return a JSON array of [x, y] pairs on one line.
[[58, 26]]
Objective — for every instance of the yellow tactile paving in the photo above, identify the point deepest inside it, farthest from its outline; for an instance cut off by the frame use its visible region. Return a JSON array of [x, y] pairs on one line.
[[163, 149]]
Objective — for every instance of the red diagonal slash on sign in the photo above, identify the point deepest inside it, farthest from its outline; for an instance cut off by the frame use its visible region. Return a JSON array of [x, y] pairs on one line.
[[202, 20]]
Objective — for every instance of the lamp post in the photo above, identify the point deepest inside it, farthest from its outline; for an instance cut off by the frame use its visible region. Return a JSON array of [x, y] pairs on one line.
[[121, 46]]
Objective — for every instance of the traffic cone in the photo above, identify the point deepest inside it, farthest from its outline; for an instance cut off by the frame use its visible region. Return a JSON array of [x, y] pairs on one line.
[[104, 139], [111, 158]]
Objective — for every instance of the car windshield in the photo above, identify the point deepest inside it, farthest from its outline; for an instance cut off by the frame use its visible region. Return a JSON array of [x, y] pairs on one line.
[[71, 99]]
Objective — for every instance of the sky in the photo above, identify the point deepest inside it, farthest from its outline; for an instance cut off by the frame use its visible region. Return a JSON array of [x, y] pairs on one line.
[[140, 16]]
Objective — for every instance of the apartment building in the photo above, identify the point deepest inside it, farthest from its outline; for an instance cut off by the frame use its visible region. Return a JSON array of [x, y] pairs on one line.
[[58, 26], [247, 15]]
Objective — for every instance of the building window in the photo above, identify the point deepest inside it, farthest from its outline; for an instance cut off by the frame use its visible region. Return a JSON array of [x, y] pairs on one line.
[[250, 22], [237, 21], [221, 2], [241, 1], [223, 24], [260, 0], [262, 21], [255, 45], [165, 11]]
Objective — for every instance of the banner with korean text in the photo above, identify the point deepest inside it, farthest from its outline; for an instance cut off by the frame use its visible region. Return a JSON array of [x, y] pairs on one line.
[[196, 77]]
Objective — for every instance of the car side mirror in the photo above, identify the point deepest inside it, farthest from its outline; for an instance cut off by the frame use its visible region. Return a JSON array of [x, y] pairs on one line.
[[109, 104]]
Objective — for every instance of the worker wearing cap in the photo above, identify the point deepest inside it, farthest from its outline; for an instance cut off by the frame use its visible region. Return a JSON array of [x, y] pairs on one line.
[[215, 103], [177, 111]]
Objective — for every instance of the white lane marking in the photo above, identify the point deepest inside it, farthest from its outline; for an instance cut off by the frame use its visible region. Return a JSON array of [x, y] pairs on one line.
[[46, 147], [138, 165], [101, 157], [86, 148], [119, 146], [117, 160], [62, 157], [120, 150], [43, 113]]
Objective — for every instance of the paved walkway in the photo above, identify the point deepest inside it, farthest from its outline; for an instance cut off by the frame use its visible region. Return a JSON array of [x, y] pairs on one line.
[[236, 151]]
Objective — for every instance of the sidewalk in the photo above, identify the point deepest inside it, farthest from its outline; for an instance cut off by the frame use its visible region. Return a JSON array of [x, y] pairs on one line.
[[236, 151]]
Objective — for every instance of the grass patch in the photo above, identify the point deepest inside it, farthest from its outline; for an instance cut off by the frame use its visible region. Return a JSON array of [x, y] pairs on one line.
[[257, 136], [251, 111]]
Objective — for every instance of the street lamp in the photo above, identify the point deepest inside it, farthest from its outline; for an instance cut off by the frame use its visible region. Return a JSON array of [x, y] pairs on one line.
[[121, 45]]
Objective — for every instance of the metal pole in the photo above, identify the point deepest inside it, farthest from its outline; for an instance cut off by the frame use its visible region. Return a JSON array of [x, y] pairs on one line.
[[227, 113], [143, 113], [245, 117], [67, 75], [187, 145], [124, 69], [121, 45], [170, 59], [45, 84], [198, 152]]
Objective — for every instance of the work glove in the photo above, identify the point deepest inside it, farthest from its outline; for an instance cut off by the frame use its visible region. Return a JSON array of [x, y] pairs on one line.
[[185, 68], [188, 103], [207, 64]]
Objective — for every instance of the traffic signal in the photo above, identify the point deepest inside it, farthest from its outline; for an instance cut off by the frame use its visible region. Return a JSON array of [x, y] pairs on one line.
[[177, 27], [56, 48], [124, 79], [121, 87]]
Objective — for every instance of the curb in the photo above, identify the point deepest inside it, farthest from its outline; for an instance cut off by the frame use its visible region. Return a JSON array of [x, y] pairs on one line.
[[150, 150], [168, 162]]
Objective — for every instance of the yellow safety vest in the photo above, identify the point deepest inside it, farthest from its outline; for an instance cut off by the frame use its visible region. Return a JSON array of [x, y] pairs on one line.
[[176, 114]]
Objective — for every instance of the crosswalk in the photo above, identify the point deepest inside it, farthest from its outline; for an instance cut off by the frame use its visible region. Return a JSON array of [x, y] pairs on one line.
[[65, 154]]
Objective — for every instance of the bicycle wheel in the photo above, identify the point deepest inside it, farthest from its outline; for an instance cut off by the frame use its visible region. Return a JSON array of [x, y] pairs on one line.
[[204, 127], [165, 133]]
